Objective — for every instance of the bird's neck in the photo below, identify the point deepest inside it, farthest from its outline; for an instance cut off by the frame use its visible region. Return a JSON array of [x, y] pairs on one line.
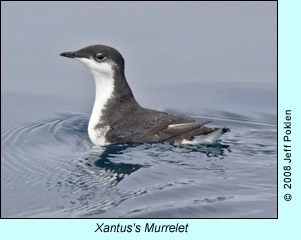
[[104, 89], [111, 92]]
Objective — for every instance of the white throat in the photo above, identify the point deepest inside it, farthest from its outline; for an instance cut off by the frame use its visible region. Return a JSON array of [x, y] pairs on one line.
[[104, 85]]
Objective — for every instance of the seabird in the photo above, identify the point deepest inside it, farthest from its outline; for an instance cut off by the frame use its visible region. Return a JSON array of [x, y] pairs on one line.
[[118, 118]]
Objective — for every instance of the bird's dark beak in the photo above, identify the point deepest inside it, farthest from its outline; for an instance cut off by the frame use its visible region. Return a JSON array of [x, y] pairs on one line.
[[68, 54]]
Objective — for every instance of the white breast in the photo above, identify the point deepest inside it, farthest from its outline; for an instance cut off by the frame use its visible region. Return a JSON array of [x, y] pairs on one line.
[[104, 85]]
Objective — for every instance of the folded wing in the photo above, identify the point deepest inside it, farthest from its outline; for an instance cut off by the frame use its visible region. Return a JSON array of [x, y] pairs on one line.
[[184, 130]]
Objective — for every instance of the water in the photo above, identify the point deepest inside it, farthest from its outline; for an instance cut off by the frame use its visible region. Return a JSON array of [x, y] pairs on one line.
[[50, 169]]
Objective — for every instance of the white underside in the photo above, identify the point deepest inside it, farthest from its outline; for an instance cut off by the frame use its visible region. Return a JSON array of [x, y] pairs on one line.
[[104, 85], [204, 139]]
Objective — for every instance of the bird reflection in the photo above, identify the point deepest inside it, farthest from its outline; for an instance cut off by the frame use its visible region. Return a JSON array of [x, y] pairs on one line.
[[119, 169], [211, 150], [107, 161], [102, 169]]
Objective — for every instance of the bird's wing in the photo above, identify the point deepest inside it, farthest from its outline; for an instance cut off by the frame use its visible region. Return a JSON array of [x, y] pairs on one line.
[[175, 130]]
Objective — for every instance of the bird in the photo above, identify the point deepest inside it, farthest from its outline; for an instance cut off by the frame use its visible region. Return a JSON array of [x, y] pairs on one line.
[[117, 118]]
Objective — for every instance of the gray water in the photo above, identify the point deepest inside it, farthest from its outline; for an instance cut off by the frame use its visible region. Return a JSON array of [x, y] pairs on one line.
[[184, 60]]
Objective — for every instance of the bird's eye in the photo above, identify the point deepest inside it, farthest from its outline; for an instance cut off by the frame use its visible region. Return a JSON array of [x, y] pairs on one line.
[[99, 57]]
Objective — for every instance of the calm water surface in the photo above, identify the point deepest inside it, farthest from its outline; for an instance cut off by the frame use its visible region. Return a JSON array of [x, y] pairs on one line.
[[51, 169]]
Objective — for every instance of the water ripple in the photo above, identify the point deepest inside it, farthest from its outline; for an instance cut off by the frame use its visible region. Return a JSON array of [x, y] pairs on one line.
[[51, 169]]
